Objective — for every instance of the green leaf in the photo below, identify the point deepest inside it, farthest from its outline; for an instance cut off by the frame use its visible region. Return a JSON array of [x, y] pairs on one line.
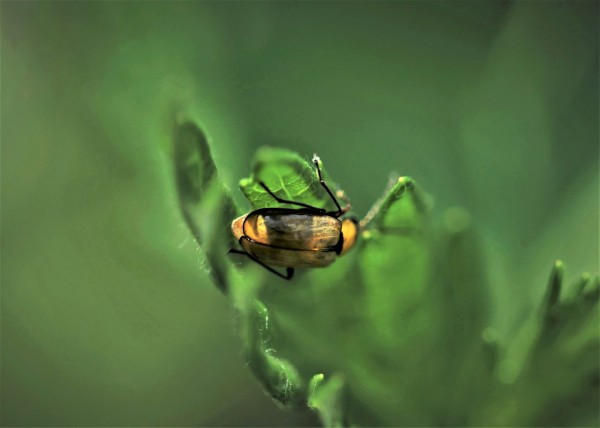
[[557, 383], [396, 246], [402, 210], [287, 175], [326, 396], [280, 378], [205, 206], [399, 329]]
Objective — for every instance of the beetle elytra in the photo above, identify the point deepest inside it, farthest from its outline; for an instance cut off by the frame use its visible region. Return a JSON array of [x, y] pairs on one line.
[[305, 237]]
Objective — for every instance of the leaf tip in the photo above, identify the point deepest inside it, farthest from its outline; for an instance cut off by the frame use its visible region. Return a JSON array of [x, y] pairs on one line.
[[405, 181], [245, 182], [554, 284], [314, 383]]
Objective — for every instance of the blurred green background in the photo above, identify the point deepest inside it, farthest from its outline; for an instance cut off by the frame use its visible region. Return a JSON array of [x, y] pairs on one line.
[[108, 314]]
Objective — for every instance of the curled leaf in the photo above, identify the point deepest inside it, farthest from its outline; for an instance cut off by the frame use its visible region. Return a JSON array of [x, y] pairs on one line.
[[205, 206]]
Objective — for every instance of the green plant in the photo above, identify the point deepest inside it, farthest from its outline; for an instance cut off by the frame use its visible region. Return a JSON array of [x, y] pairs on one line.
[[396, 332]]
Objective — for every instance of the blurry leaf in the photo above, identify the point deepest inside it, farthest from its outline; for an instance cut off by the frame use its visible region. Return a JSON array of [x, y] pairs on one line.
[[326, 397], [569, 339], [396, 246], [402, 209], [461, 299], [558, 381]]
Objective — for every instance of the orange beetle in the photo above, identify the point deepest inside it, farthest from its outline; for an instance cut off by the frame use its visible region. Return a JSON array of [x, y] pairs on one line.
[[305, 237]]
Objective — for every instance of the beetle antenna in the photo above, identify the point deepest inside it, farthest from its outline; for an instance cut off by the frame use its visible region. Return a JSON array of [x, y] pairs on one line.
[[316, 160]]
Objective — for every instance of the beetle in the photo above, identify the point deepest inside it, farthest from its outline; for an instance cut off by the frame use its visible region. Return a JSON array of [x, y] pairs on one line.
[[305, 237]]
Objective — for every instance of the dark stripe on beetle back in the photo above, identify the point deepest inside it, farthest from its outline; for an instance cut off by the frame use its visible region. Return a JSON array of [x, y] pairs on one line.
[[285, 257], [332, 248], [340, 244]]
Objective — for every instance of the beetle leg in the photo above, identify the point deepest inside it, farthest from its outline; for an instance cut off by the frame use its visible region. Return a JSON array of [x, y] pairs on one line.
[[285, 201], [339, 211], [289, 272]]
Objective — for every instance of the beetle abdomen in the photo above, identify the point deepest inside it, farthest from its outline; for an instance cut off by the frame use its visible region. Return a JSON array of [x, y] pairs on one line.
[[294, 231], [288, 258]]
